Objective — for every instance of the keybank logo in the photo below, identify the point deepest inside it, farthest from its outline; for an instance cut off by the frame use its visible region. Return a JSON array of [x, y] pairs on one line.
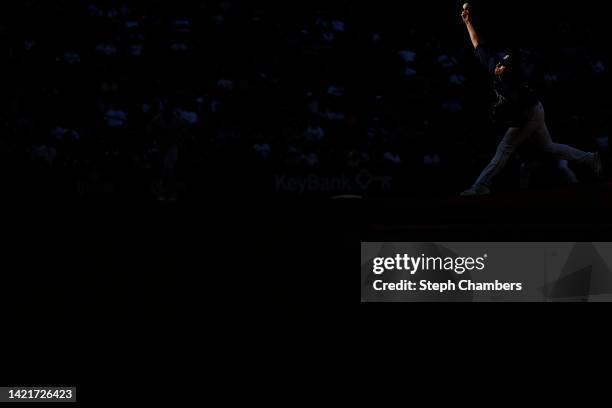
[[362, 181], [404, 262]]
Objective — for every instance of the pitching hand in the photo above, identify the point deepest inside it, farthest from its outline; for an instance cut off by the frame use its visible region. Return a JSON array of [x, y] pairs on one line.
[[466, 16]]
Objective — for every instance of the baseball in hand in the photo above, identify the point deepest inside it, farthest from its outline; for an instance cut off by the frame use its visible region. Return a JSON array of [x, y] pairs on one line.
[[467, 6]]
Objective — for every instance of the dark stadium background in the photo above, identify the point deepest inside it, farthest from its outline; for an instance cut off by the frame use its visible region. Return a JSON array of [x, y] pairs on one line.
[[117, 213]]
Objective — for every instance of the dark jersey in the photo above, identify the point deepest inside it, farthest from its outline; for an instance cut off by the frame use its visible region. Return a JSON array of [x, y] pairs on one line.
[[514, 98]]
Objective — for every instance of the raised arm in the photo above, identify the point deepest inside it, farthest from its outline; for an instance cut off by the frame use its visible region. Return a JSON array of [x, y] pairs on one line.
[[467, 19]]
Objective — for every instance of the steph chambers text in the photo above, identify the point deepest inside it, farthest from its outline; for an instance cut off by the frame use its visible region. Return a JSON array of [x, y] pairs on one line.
[[449, 286]]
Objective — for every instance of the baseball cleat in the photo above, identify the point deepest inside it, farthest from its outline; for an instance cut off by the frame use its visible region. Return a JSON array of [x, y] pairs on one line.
[[476, 191]]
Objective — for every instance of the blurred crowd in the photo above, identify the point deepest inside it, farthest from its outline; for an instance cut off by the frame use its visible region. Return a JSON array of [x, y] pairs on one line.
[[159, 99]]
